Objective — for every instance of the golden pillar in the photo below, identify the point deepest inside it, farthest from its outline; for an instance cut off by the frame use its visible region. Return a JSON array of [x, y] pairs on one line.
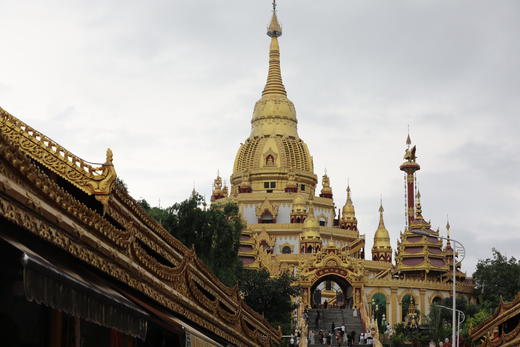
[[422, 305], [394, 305]]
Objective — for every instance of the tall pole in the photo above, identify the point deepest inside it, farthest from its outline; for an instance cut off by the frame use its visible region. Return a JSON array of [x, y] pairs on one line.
[[453, 322]]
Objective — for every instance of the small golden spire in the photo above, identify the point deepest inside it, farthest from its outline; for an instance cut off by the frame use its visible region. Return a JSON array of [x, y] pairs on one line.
[[448, 226], [274, 84], [381, 237], [408, 139], [349, 200]]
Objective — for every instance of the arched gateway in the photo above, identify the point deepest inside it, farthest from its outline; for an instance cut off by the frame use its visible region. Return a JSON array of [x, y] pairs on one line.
[[318, 275], [333, 289]]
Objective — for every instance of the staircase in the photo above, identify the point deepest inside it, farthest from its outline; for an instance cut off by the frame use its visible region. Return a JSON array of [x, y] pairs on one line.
[[337, 316]]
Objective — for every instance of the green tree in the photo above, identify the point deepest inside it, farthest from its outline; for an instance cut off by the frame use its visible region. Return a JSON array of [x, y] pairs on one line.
[[497, 277], [214, 232], [269, 296]]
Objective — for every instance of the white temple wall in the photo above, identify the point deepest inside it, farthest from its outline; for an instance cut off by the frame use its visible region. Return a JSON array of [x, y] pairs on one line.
[[293, 241], [248, 212], [284, 214]]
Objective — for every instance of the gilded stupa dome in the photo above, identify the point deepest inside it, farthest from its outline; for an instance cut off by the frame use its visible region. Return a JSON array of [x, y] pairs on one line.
[[274, 146]]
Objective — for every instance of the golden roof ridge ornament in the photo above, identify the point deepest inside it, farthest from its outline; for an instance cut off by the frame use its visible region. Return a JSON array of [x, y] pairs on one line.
[[93, 180]]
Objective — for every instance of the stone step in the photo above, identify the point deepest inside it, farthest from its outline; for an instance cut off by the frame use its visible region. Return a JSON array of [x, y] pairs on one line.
[[337, 316]]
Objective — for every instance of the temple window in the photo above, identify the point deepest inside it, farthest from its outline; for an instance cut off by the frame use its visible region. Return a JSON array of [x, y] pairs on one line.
[[286, 250], [309, 249], [269, 186], [323, 222], [266, 218], [302, 187]]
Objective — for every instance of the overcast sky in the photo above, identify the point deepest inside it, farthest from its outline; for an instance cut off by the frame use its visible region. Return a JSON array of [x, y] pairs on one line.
[[170, 87]]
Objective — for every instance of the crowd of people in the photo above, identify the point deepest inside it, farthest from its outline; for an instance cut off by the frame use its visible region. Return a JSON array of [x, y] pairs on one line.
[[336, 337]]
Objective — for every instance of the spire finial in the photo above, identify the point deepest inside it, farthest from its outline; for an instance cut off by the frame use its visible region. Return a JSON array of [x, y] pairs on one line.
[[408, 139], [381, 209], [349, 198], [274, 30], [448, 226], [274, 83]]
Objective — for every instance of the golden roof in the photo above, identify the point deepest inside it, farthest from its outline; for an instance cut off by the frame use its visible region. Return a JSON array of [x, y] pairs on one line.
[[381, 237]]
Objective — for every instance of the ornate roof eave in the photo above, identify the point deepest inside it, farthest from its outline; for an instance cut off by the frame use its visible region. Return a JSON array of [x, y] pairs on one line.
[[93, 180], [425, 265], [89, 237], [504, 312]]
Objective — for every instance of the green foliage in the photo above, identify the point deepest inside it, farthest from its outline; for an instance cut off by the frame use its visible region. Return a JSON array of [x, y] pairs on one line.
[[497, 277], [122, 184], [397, 340], [436, 320], [473, 321], [214, 232], [269, 296]]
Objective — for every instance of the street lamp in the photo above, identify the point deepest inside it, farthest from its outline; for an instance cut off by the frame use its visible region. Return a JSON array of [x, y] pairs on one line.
[[454, 287], [460, 320]]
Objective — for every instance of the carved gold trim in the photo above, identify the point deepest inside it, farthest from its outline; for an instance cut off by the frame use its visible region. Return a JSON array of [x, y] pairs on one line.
[[98, 181]]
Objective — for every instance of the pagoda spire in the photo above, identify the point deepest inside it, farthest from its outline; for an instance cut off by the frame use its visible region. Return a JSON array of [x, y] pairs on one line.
[[381, 250], [410, 166], [348, 219], [274, 84]]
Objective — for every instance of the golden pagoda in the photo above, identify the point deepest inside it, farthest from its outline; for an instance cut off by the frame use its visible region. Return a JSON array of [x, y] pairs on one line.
[[290, 228]]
